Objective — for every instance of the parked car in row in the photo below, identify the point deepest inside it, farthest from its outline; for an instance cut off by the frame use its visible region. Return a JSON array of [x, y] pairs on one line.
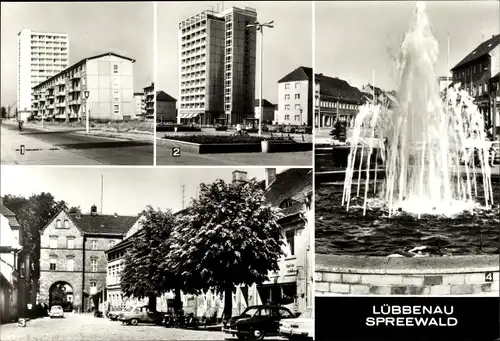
[[56, 311], [300, 328], [256, 322], [141, 315]]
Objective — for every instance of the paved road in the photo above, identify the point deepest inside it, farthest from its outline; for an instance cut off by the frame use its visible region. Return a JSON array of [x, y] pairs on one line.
[[85, 327], [71, 147]]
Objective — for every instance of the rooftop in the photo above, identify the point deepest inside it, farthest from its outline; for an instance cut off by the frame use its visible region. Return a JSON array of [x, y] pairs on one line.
[[163, 96], [302, 73], [337, 88], [265, 103], [483, 49], [287, 184]]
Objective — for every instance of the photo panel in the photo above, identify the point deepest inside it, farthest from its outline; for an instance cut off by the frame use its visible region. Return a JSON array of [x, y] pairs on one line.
[[407, 180], [75, 84], [234, 83], [210, 254]]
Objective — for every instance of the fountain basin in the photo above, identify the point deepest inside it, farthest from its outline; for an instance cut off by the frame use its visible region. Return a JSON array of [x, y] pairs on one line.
[[359, 275]]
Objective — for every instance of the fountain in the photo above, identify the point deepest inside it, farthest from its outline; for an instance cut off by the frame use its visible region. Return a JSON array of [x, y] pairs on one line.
[[423, 138]]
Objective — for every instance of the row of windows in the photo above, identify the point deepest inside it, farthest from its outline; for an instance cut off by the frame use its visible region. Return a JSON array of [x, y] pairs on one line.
[[328, 104], [288, 85], [296, 118], [70, 243], [297, 107], [193, 105], [116, 255], [287, 96], [70, 264], [116, 270]]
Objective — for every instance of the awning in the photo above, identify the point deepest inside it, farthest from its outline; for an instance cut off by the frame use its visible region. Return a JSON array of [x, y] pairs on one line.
[[184, 115]]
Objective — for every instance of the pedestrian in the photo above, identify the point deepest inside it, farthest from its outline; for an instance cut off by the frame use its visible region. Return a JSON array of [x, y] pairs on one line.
[[238, 129]]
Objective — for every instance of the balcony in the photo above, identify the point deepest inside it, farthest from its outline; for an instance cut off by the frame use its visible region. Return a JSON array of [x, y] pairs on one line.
[[50, 96], [61, 94], [50, 106], [76, 75], [61, 105]]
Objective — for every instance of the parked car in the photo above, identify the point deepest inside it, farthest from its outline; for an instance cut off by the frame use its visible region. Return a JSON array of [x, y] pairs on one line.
[[301, 328], [495, 153], [141, 314], [56, 311], [115, 314], [256, 322]]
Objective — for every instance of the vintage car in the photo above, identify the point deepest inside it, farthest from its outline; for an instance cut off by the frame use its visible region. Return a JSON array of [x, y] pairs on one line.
[[256, 322], [300, 328], [56, 311], [141, 314]]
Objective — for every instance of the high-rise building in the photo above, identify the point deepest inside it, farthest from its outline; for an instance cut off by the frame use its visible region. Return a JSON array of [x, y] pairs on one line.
[[40, 55], [217, 66]]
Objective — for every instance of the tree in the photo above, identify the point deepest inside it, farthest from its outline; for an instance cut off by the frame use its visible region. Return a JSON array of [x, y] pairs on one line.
[[4, 112], [145, 274], [74, 209], [58, 294], [227, 237], [33, 214]]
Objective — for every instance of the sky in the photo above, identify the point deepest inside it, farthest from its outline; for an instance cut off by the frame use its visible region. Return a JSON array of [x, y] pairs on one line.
[[126, 190], [286, 46], [353, 39], [125, 28]]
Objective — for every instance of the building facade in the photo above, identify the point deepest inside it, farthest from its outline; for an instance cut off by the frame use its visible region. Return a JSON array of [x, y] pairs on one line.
[[107, 79], [72, 254], [40, 55], [295, 99], [335, 100], [12, 267], [165, 107], [267, 109], [475, 73], [149, 100], [217, 66], [139, 105]]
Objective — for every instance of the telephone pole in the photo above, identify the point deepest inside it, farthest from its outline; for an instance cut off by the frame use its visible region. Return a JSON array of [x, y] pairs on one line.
[[183, 189]]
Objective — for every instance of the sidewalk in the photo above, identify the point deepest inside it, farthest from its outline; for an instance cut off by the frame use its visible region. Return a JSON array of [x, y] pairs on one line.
[[36, 151]]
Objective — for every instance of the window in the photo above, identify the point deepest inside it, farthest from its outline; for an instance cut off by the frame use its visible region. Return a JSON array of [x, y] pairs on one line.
[[265, 312], [93, 287], [297, 106], [116, 81], [287, 106], [285, 314], [93, 244], [66, 224], [287, 96], [116, 96], [53, 242], [70, 243], [297, 117], [53, 263], [297, 85], [70, 264], [287, 86], [93, 265], [287, 117], [115, 68], [111, 243], [58, 224], [290, 240], [297, 96]]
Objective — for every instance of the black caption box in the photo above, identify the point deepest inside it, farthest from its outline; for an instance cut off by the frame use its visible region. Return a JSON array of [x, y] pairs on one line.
[[350, 318]]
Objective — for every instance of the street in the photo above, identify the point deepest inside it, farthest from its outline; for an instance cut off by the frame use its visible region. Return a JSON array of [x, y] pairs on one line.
[[70, 146], [85, 327]]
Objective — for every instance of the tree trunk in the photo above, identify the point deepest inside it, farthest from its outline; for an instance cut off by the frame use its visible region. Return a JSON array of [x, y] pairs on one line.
[[228, 303], [177, 299], [152, 302]]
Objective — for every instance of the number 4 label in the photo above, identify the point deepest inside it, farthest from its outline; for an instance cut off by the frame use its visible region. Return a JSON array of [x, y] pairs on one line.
[[488, 277], [176, 152]]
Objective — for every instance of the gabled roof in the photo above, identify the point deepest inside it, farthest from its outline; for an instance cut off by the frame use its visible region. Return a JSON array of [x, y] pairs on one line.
[[11, 216], [163, 96], [83, 61], [287, 184], [337, 88], [265, 103], [302, 73], [483, 49]]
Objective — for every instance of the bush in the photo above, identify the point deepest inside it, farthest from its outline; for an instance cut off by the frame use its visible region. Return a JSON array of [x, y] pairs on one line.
[[180, 128], [226, 139]]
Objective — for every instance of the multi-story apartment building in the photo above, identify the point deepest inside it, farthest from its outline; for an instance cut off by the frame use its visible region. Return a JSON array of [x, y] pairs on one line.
[[149, 100], [139, 105], [217, 66], [165, 107], [267, 109], [72, 253], [475, 72], [40, 55], [295, 99], [108, 79]]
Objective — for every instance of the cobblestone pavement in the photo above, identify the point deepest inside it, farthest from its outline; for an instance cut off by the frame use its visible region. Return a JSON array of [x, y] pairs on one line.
[[85, 327]]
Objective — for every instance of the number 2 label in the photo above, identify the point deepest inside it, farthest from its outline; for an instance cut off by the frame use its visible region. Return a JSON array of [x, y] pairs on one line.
[[176, 152]]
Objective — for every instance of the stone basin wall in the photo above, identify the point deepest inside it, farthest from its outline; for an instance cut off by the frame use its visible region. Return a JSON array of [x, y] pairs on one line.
[[357, 275]]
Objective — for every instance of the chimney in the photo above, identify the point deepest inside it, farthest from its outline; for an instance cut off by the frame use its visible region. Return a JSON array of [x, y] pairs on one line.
[[270, 176], [239, 177], [93, 210], [78, 214], [116, 215]]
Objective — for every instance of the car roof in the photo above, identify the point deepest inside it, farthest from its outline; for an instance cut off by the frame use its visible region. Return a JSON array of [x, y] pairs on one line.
[[56, 306]]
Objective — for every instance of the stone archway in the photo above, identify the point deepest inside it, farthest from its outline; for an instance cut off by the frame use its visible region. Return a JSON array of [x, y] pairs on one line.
[[62, 293]]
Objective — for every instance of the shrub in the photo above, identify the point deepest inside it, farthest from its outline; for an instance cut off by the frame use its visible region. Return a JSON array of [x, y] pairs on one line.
[[226, 139]]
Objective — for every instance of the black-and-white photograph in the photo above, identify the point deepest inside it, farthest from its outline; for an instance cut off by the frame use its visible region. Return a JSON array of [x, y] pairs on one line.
[[234, 83], [156, 253], [77, 83], [407, 160]]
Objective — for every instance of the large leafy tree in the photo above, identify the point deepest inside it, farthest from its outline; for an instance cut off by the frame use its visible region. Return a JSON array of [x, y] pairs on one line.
[[228, 236], [33, 214], [145, 274]]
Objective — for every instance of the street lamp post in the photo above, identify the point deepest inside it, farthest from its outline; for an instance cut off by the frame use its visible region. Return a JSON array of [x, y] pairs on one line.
[[87, 123], [260, 27]]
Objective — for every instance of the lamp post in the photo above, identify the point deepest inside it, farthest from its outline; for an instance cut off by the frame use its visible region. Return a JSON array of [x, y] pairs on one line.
[[87, 124], [260, 27]]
